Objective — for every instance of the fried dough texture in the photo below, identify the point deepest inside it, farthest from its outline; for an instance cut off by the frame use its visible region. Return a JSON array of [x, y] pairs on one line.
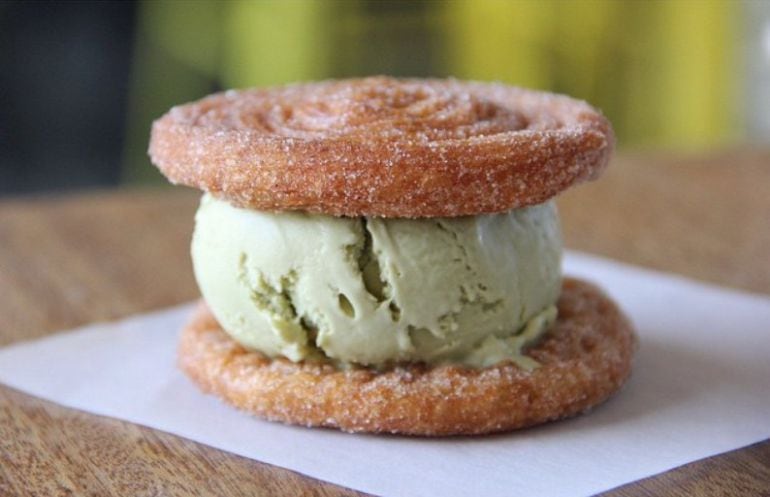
[[383, 147], [584, 359]]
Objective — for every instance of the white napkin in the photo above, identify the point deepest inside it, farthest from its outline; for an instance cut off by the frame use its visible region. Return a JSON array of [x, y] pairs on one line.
[[701, 386]]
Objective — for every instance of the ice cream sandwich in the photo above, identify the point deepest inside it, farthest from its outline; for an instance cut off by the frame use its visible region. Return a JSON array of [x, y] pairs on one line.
[[384, 255]]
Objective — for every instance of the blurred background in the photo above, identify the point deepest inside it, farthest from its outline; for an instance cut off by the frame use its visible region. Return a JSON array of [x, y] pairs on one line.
[[81, 82]]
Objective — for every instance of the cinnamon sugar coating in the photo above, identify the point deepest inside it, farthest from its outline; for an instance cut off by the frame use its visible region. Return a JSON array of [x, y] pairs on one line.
[[584, 359], [383, 147]]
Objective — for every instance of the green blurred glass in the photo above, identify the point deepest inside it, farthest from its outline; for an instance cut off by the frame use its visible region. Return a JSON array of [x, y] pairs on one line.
[[667, 73]]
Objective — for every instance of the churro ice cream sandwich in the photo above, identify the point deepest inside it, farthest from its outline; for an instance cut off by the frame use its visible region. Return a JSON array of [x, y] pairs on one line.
[[384, 255]]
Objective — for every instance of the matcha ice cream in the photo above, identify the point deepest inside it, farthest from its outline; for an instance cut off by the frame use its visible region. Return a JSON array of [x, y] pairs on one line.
[[372, 291]]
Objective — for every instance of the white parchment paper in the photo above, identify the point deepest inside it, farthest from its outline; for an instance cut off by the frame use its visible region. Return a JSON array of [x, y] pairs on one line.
[[701, 386]]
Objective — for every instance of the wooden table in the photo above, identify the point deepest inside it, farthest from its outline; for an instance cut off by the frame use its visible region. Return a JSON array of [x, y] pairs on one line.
[[69, 260]]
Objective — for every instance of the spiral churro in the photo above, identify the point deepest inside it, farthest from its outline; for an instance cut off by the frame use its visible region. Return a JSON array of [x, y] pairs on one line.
[[383, 147], [585, 358]]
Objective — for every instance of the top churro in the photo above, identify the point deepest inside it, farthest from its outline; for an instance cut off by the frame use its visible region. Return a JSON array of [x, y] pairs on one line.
[[383, 147]]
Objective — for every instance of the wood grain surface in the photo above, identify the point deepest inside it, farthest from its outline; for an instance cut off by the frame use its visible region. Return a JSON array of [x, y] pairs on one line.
[[70, 260]]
